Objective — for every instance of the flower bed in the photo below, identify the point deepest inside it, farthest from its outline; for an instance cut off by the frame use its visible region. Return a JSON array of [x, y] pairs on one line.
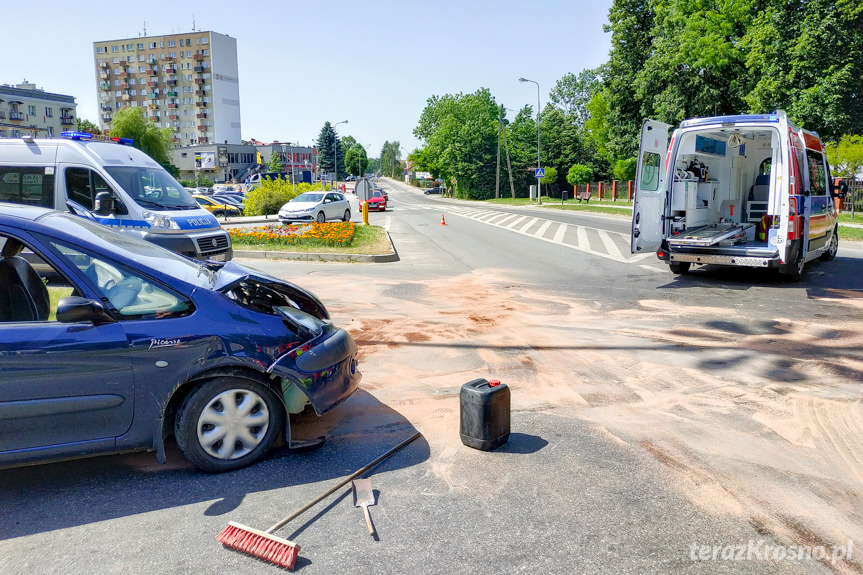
[[274, 236]]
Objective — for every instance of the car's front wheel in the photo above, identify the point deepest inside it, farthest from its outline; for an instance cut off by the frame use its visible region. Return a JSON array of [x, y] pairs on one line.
[[321, 217], [347, 216], [228, 423]]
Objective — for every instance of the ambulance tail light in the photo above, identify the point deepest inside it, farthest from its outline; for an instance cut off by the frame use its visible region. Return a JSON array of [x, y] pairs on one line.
[[795, 225]]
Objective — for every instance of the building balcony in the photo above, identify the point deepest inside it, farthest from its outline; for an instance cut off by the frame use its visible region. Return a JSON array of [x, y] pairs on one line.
[[153, 106], [170, 70], [17, 116], [104, 75], [198, 56], [202, 128], [200, 81], [103, 64], [104, 85], [173, 106], [201, 115], [152, 83], [67, 120], [125, 97], [169, 58], [199, 69], [124, 74], [124, 85], [174, 116], [201, 104], [154, 118], [171, 82], [153, 95], [106, 107], [200, 92], [203, 140], [106, 118], [172, 94], [123, 62]]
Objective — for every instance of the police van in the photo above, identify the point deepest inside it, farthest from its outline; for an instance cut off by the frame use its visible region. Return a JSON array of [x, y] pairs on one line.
[[108, 180], [748, 190]]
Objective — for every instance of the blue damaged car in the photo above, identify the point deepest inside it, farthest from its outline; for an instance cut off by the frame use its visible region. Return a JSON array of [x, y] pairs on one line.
[[109, 343]]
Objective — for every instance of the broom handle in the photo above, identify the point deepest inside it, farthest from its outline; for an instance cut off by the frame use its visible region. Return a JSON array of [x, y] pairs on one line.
[[341, 483]]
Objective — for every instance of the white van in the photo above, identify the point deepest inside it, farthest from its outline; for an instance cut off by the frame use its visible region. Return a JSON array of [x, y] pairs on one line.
[[751, 190], [115, 184]]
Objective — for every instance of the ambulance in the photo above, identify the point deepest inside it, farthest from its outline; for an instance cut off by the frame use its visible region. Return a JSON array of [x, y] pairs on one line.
[[746, 190], [109, 181]]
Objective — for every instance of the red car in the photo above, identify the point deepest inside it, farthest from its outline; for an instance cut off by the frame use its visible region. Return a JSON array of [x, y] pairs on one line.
[[377, 201]]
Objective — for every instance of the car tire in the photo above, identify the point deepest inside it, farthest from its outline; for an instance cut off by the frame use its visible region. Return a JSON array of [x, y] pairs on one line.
[[347, 216], [244, 412], [321, 217], [830, 254], [679, 268]]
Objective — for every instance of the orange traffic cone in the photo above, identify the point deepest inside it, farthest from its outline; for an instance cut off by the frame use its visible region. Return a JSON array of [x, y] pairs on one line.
[[442, 222]]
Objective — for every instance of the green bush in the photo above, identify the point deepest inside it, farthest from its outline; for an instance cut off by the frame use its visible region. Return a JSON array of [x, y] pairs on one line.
[[271, 195]]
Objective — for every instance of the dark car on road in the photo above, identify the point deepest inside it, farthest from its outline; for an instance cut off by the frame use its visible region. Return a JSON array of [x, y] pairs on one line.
[[116, 344], [435, 190]]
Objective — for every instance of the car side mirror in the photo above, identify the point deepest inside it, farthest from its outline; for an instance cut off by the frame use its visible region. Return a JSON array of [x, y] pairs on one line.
[[103, 204], [74, 309]]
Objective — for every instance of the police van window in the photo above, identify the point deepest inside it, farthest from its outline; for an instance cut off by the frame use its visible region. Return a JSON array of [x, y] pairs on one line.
[[83, 184], [25, 185], [817, 173], [650, 172]]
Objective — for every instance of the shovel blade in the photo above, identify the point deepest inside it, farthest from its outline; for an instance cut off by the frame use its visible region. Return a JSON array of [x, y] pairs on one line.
[[363, 494]]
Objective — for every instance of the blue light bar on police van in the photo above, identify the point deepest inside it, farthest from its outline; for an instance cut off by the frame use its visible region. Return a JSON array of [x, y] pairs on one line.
[[77, 135], [88, 136]]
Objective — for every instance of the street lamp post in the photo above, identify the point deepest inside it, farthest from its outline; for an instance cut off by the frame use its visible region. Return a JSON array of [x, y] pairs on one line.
[[538, 165], [336, 150], [293, 185]]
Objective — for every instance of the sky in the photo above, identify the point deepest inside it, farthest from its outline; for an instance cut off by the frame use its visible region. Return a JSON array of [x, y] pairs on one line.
[[301, 64]]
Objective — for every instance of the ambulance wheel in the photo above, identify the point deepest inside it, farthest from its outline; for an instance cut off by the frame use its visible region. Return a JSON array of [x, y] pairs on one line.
[[830, 254], [679, 267], [795, 271]]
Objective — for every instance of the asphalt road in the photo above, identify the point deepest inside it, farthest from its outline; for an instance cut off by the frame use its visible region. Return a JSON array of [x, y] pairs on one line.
[[660, 424]]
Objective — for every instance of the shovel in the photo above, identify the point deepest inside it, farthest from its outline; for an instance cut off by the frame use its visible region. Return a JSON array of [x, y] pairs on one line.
[[363, 497]]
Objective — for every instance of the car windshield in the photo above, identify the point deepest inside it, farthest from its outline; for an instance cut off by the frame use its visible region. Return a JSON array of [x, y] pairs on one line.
[[308, 197], [377, 194], [143, 252], [152, 188]]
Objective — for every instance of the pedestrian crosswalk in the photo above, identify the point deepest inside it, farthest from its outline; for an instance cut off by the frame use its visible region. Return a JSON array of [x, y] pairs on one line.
[[595, 241]]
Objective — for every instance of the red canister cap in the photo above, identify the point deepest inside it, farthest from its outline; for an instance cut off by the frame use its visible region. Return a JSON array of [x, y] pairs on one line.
[[493, 383]]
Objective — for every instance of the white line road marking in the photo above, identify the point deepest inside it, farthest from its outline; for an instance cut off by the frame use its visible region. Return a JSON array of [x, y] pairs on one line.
[[651, 268], [558, 235], [583, 242], [516, 222], [541, 231], [610, 247]]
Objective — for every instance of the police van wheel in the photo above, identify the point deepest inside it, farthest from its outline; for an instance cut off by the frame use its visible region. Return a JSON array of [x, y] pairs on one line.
[[830, 254], [679, 267]]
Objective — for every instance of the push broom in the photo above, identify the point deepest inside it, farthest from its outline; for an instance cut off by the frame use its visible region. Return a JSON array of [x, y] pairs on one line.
[[265, 545]]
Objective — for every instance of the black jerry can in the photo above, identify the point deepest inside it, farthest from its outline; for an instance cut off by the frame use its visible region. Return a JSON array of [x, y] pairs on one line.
[[484, 414]]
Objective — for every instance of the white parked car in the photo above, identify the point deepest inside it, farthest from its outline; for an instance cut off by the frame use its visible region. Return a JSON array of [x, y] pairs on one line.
[[316, 207]]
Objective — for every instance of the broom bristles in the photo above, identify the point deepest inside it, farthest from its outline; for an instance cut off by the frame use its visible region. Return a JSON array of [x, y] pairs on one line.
[[260, 544]]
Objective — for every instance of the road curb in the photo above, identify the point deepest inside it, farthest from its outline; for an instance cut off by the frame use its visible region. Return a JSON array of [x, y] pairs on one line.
[[392, 256]]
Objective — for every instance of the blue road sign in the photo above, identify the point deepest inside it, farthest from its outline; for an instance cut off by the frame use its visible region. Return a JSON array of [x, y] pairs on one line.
[[540, 173]]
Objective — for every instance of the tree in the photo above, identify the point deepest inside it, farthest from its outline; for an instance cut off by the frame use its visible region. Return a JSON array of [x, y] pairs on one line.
[[460, 134], [572, 93], [625, 169], [87, 126], [153, 141], [846, 156], [326, 144], [579, 175], [550, 178], [391, 159], [356, 160], [274, 164]]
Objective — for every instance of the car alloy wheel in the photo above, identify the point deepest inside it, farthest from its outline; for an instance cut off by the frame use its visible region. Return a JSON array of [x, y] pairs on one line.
[[228, 423], [321, 217], [347, 216]]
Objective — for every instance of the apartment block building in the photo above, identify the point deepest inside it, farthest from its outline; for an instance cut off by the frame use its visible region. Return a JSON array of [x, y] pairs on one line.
[[26, 110], [188, 82]]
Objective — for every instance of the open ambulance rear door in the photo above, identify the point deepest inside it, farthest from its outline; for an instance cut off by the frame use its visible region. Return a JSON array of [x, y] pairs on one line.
[[648, 212]]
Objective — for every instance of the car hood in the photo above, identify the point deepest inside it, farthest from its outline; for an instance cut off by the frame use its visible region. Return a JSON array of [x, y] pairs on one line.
[[298, 206], [261, 290]]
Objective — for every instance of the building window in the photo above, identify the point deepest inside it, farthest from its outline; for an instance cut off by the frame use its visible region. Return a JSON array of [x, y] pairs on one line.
[[171, 43], [115, 49], [205, 40], [205, 52], [162, 44], [152, 45], [50, 132], [140, 46], [49, 112]]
